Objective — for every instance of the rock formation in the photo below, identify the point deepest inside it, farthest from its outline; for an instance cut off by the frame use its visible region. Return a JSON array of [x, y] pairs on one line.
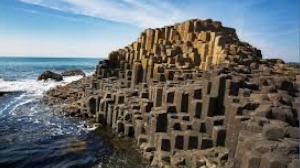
[[193, 95], [3, 93], [50, 75], [73, 72]]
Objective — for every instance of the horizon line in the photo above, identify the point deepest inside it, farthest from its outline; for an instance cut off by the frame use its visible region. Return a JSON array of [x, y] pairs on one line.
[[46, 56]]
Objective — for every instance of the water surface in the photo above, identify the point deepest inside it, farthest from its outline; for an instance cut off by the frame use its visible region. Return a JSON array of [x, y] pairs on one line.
[[31, 135]]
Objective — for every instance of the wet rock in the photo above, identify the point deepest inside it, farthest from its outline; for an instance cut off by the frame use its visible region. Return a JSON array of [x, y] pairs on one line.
[[73, 72], [50, 75], [4, 93]]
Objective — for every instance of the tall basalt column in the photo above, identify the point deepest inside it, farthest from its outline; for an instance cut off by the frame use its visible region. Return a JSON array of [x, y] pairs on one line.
[[115, 116], [157, 35], [218, 91], [209, 106], [149, 39], [150, 70], [158, 69], [137, 74], [184, 102], [92, 105], [164, 143], [145, 66], [195, 109], [109, 115], [198, 25], [219, 51], [159, 120], [170, 96], [187, 28], [157, 96]]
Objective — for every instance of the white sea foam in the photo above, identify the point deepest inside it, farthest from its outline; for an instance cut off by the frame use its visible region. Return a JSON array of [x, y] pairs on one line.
[[14, 101], [20, 104], [32, 89], [32, 86], [26, 104]]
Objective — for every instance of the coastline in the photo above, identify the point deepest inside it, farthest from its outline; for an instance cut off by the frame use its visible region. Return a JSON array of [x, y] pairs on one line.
[[124, 150], [182, 111], [124, 147]]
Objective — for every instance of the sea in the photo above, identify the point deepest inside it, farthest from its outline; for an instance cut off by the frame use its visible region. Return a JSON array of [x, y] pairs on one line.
[[33, 135]]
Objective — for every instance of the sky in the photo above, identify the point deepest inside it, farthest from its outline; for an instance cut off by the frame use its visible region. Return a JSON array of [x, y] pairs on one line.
[[93, 28]]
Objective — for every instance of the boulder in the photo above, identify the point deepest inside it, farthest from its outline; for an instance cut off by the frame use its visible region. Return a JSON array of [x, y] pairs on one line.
[[292, 132], [259, 98], [50, 75], [73, 72], [284, 114], [3, 93], [284, 83], [272, 160], [264, 110], [271, 131]]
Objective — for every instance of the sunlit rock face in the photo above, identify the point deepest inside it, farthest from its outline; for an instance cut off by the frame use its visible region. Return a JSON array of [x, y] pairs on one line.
[[193, 95]]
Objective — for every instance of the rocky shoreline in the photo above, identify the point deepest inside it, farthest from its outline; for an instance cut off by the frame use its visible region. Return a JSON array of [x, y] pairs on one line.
[[122, 146], [193, 95], [4, 93]]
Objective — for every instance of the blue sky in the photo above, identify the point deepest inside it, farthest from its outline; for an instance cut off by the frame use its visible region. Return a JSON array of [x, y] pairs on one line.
[[93, 28]]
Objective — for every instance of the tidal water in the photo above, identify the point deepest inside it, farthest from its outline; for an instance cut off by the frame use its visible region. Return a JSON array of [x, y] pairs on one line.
[[31, 135]]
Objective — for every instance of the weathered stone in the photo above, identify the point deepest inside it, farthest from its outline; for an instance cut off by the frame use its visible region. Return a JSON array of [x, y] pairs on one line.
[[251, 159], [183, 91], [73, 72], [292, 132], [272, 160], [50, 75], [294, 164], [273, 131]]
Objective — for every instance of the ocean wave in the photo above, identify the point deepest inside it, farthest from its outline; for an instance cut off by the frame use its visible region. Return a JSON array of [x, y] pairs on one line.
[[30, 91], [33, 86], [11, 103]]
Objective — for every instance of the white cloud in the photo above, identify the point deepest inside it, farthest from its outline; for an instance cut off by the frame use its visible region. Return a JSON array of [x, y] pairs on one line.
[[157, 13], [153, 13]]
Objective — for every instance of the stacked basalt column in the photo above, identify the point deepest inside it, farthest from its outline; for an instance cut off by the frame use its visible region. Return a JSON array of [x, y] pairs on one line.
[[167, 91]]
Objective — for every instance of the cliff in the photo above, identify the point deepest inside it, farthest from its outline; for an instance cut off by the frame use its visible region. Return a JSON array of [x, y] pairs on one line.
[[194, 95]]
